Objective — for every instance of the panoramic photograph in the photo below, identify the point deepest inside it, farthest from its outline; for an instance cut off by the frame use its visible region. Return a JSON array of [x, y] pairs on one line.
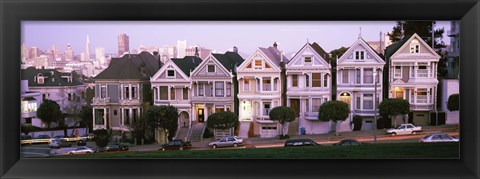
[[240, 89]]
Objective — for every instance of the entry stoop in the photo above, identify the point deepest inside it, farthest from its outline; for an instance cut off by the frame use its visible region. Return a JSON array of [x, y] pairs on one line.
[[244, 129], [293, 127]]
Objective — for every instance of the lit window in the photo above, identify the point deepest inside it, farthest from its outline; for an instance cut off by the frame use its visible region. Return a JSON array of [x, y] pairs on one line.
[[258, 64], [415, 46]]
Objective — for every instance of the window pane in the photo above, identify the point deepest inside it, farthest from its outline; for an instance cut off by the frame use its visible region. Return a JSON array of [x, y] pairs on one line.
[[200, 89], [219, 88], [368, 101], [358, 102], [295, 80], [308, 59], [358, 75], [345, 76], [185, 93], [163, 93], [267, 84], [172, 94], [307, 81], [99, 114], [325, 80], [170, 73], [266, 109], [258, 63], [246, 85], [316, 103], [229, 89], [134, 92], [211, 68], [316, 80], [368, 75]]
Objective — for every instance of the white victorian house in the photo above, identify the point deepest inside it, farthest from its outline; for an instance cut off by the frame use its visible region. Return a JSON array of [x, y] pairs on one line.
[[260, 90], [359, 69], [171, 86], [412, 75], [309, 86], [213, 88]]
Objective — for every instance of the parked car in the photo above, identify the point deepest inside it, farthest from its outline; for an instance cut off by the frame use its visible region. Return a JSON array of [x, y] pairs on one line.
[[348, 142], [228, 141], [114, 148], [82, 150], [86, 136], [58, 143], [176, 145], [42, 139], [439, 137], [26, 139], [300, 142], [61, 137], [405, 129]]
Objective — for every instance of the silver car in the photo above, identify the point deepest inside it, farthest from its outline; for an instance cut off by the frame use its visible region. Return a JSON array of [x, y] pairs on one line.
[[58, 143], [228, 141], [82, 150], [438, 137]]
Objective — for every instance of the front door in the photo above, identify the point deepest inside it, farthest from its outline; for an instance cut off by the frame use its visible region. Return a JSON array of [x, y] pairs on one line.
[[201, 115], [295, 105]]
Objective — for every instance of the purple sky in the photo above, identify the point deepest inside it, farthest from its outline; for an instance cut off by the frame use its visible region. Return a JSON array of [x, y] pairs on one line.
[[217, 35]]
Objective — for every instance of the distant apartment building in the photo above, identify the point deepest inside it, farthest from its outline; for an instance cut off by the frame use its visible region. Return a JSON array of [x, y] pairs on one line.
[[202, 52], [69, 55], [412, 75], [30, 101], [123, 44], [87, 49], [119, 91], [100, 55], [181, 47]]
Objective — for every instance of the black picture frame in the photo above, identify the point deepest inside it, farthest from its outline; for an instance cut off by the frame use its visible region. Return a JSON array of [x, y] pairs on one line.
[[12, 12]]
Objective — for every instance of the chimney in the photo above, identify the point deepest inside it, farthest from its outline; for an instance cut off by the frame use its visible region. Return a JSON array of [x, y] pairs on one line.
[[275, 45], [157, 56], [235, 49], [196, 52]]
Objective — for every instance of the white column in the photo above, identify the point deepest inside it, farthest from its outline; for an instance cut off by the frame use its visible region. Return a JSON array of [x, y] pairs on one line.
[[224, 89], [138, 91], [361, 75], [414, 95], [105, 117], [261, 83], [130, 91], [121, 91]]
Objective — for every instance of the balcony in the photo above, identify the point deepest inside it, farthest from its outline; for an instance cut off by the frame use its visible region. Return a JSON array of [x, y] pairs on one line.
[[311, 115], [171, 102], [212, 99], [101, 101], [421, 107], [422, 73], [130, 101], [371, 111]]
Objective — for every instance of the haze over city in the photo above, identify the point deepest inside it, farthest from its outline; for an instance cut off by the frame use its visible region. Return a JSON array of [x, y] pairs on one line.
[[219, 36]]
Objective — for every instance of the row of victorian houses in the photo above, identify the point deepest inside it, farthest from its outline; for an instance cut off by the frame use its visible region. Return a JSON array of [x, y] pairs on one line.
[[253, 86]]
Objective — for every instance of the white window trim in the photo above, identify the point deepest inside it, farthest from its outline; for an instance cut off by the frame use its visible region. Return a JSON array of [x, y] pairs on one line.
[[214, 68], [215, 88], [395, 72], [361, 53], [255, 64], [363, 101], [414, 46], [244, 84], [174, 73], [305, 58]]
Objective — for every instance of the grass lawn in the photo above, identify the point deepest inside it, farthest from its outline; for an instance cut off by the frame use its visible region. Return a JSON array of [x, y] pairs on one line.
[[368, 151]]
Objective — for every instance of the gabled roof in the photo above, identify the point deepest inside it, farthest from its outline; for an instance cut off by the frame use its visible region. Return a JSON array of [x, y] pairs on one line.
[[320, 51], [52, 77], [391, 49], [187, 63], [274, 55], [367, 47], [229, 60], [130, 66]]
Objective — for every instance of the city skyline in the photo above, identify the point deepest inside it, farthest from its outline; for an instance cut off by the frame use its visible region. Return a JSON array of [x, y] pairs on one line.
[[247, 36]]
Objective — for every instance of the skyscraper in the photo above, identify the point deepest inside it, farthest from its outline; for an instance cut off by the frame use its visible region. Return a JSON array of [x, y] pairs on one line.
[[69, 53], [100, 55], [87, 49], [123, 44], [181, 47]]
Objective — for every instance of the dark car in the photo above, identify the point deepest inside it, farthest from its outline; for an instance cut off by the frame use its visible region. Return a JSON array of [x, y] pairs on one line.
[[25, 137], [82, 142], [114, 148], [347, 142], [300, 142], [176, 145]]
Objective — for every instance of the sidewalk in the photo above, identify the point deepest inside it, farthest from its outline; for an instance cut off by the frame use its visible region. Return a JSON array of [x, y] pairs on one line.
[[330, 137]]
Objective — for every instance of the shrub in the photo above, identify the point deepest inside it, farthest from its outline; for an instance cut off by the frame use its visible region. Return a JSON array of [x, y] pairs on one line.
[[222, 120], [102, 137], [208, 133], [357, 123], [453, 103]]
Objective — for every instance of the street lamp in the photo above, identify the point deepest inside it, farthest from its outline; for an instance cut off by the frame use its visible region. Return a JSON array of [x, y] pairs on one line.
[[375, 107]]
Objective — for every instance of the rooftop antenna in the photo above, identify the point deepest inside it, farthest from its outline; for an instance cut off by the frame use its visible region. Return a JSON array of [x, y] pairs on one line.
[[360, 33]]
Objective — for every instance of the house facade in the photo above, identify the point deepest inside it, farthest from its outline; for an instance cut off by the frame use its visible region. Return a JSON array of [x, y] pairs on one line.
[[260, 90], [413, 76], [308, 77], [171, 86], [121, 91], [213, 82], [30, 101], [359, 70], [64, 88]]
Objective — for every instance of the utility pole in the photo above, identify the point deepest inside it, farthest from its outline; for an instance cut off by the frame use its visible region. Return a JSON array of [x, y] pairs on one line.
[[375, 109]]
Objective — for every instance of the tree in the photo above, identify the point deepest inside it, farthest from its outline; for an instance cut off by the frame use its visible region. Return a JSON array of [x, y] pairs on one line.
[[27, 128], [453, 103], [89, 94], [49, 111], [394, 107], [137, 128], [337, 53], [102, 137], [222, 120], [283, 115], [73, 108], [86, 116], [335, 111], [164, 117]]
